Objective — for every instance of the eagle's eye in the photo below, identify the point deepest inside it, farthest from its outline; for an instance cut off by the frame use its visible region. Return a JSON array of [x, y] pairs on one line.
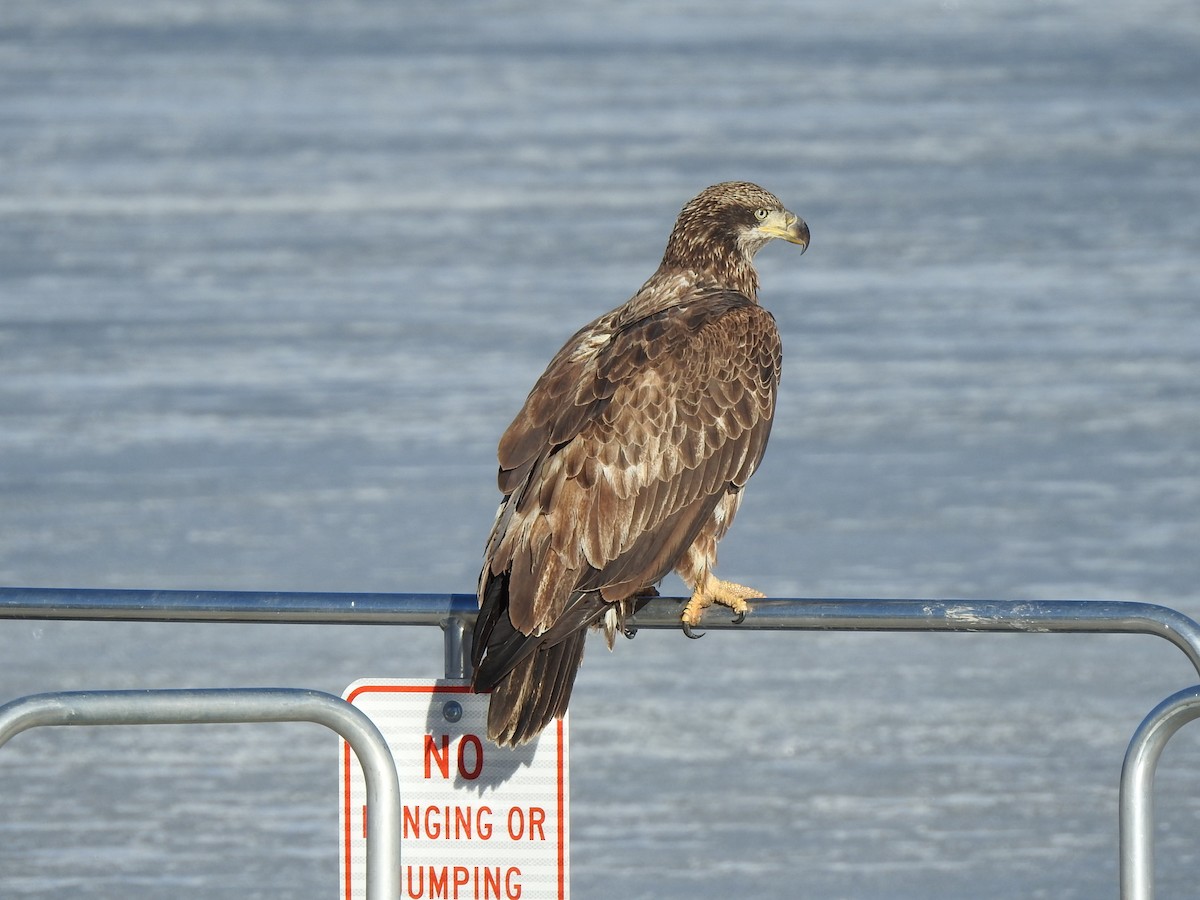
[[761, 214]]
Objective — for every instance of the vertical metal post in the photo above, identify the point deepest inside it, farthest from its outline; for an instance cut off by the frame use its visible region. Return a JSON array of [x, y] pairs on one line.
[[1137, 790], [457, 642]]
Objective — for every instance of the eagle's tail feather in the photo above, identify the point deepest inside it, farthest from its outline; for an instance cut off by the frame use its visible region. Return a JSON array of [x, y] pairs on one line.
[[535, 691]]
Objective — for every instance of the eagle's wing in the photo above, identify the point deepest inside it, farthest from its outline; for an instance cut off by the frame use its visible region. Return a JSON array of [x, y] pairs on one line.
[[623, 449]]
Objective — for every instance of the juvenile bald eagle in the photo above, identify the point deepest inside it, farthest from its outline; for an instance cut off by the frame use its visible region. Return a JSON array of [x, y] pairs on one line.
[[628, 459]]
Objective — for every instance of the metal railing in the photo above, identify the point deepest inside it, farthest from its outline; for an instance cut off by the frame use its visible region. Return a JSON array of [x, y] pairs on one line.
[[455, 613], [239, 706], [1137, 789]]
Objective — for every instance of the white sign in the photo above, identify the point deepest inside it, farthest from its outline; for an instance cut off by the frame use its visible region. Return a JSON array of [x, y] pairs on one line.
[[477, 822]]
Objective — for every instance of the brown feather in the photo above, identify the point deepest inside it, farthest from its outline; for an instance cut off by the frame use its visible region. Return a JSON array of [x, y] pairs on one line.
[[626, 458]]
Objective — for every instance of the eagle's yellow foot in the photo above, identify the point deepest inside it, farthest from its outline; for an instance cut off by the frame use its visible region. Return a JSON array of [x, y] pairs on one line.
[[725, 593]]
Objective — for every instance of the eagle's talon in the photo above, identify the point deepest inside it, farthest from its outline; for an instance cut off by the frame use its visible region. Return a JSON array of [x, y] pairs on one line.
[[630, 631], [687, 630], [724, 593]]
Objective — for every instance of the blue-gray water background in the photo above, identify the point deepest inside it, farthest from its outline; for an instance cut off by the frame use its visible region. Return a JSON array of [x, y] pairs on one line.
[[275, 276]]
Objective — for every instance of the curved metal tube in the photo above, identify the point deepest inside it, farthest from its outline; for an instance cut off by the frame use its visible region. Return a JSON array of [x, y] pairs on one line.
[[1137, 784], [239, 705]]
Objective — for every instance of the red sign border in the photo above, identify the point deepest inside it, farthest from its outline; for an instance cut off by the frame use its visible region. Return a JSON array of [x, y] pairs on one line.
[[560, 768]]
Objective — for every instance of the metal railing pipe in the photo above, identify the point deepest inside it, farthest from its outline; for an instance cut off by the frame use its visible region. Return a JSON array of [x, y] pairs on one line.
[[243, 705], [1137, 790], [1051, 616]]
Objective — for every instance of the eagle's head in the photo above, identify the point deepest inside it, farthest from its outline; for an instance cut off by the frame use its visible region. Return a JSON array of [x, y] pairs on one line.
[[719, 231]]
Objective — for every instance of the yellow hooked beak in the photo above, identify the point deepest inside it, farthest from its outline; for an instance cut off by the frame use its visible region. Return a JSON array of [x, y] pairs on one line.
[[785, 225]]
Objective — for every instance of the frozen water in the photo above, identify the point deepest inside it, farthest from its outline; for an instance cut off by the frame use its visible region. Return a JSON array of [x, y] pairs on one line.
[[274, 277]]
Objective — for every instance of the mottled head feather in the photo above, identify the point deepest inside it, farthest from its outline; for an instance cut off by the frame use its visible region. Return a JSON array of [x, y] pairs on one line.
[[710, 234]]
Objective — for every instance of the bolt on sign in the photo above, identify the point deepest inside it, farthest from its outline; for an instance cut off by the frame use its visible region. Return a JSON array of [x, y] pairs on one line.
[[477, 822]]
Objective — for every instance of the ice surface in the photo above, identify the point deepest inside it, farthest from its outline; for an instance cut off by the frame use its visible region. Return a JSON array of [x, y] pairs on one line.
[[274, 277]]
